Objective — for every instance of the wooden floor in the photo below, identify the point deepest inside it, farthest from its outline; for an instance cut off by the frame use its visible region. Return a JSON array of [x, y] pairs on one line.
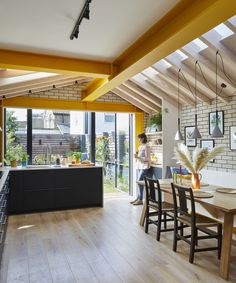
[[99, 245]]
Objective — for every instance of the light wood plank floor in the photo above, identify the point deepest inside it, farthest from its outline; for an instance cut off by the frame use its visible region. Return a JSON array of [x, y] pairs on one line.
[[104, 245]]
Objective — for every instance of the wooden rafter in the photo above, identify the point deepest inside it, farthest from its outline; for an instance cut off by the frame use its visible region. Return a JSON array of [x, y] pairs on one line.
[[132, 100], [170, 78], [152, 88], [142, 92], [165, 86], [208, 71], [139, 98], [204, 93], [42, 86]]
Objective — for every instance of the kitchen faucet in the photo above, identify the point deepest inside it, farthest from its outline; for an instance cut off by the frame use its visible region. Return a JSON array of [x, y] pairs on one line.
[[49, 154]]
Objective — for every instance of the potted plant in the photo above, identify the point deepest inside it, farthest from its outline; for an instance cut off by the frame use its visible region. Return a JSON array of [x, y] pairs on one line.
[[24, 159], [156, 121], [77, 156], [13, 155]]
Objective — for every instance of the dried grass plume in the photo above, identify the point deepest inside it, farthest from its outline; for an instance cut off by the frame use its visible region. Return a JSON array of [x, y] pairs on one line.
[[199, 158]]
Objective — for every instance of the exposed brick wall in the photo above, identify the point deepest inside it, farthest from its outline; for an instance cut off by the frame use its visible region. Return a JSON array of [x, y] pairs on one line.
[[111, 97], [226, 161], [73, 92]]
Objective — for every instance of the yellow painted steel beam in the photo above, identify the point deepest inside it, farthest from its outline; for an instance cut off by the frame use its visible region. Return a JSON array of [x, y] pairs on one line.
[[55, 64], [186, 21], [94, 85], [139, 127], [47, 103]]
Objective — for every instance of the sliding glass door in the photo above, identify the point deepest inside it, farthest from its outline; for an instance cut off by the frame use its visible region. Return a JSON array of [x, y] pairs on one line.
[[113, 149]]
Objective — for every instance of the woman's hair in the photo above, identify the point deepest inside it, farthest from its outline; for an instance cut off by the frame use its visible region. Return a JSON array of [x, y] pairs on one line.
[[143, 137]]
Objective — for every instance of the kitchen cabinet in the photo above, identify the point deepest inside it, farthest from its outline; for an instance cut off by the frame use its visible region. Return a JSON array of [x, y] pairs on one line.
[[53, 189]]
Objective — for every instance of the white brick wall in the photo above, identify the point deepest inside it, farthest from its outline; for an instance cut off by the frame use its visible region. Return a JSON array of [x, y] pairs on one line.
[[227, 161], [73, 92]]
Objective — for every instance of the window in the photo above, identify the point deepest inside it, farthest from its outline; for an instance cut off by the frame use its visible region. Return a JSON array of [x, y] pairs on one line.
[[57, 134]]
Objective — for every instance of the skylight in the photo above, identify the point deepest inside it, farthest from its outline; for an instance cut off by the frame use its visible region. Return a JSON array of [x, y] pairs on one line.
[[233, 21], [200, 44], [151, 70], [24, 78], [223, 30], [182, 55], [165, 63]]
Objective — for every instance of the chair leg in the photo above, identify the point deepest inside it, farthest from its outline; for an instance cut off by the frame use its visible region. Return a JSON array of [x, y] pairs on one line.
[[165, 226], [175, 235], [219, 239], [193, 243], [147, 220], [181, 228], [159, 225]]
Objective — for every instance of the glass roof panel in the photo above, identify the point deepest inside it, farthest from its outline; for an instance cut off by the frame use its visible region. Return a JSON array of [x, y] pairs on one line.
[[223, 30]]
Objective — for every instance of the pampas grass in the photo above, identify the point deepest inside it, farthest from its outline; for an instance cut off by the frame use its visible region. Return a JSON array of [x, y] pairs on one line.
[[200, 157]]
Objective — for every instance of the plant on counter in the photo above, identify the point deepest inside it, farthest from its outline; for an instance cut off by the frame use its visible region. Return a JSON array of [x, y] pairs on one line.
[[77, 156], [24, 158], [13, 152], [199, 159]]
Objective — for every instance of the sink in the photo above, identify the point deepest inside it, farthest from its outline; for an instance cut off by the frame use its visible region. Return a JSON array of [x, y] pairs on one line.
[[38, 166]]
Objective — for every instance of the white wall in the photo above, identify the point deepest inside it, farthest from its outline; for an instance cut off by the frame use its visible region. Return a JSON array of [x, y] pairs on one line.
[[225, 179], [169, 128]]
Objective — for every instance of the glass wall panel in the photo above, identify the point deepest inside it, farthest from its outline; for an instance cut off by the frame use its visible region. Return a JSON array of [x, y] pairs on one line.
[[123, 143], [105, 148], [56, 134], [16, 133]]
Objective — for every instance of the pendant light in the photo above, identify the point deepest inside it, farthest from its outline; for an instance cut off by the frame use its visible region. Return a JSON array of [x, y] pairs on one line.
[[196, 134], [216, 133], [178, 135]]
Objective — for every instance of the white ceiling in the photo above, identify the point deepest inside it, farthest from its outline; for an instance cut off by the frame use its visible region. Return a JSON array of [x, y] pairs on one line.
[[45, 26]]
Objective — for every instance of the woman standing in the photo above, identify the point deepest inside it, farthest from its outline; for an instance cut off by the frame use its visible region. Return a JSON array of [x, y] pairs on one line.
[[143, 164]]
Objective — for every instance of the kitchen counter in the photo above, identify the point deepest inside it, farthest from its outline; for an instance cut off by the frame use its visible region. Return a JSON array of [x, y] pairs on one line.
[[46, 188]]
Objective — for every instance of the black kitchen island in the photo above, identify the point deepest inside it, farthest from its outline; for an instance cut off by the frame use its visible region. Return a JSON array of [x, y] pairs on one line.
[[46, 189]]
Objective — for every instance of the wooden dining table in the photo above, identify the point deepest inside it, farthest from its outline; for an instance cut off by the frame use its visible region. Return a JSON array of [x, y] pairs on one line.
[[221, 206]]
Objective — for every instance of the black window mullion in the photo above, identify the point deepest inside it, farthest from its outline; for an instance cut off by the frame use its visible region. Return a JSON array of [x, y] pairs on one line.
[[29, 135], [92, 136]]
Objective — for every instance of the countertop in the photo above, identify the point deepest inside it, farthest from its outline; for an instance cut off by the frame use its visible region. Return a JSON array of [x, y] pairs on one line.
[[50, 167]]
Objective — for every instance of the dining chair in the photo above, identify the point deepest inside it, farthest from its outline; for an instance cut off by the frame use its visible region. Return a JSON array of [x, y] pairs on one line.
[[185, 213], [155, 207]]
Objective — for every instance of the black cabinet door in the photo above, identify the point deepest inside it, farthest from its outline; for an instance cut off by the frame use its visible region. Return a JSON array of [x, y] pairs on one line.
[[15, 192], [38, 200], [38, 179], [65, 198], [89, 187]]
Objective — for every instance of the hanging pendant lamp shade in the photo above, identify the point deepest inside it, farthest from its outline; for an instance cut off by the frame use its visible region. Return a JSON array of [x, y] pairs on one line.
[[178, 135], [216, 133], [196, 134]]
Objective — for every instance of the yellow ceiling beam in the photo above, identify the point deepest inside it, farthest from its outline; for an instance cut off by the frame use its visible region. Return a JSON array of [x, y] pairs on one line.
[[188, 20], [94, 85], [47, 103], [55, 64]]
